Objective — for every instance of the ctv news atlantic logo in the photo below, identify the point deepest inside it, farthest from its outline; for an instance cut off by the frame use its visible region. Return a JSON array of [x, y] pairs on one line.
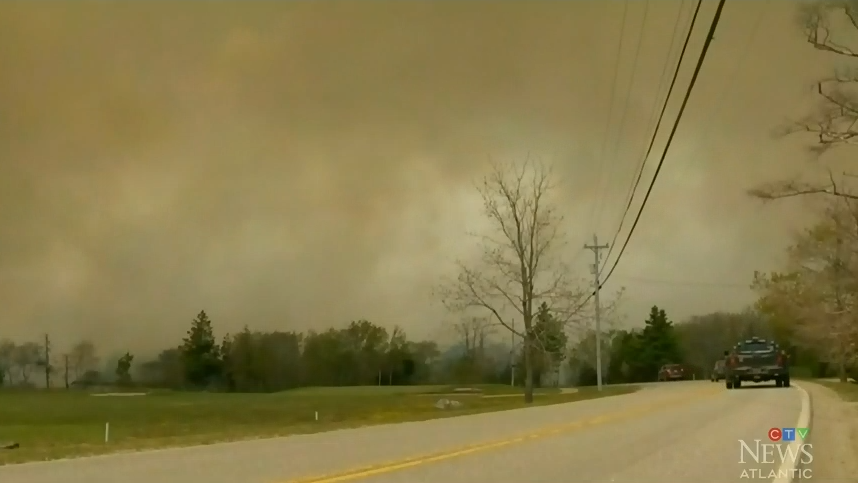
[[785, 450]]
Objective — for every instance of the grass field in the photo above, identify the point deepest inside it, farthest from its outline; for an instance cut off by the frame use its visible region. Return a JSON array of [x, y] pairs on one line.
[[487, 389], [847, 390], [58, 424]]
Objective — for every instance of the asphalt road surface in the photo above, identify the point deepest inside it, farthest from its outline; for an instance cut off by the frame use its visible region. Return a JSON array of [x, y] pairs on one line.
[[681, 431]]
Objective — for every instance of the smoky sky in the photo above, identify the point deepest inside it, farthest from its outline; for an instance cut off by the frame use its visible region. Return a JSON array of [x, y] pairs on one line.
[[295, 165]]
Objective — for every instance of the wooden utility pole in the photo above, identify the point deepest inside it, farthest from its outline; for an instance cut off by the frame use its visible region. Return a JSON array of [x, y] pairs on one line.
[[66, 369], [597, 251], [47, 361]]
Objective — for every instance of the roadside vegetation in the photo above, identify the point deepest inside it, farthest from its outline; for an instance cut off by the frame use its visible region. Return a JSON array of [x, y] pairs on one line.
[[55, 424], [811, 302], [848, 391]]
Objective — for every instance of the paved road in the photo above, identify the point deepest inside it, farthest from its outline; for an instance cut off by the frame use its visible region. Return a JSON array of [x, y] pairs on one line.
[[669, 432]]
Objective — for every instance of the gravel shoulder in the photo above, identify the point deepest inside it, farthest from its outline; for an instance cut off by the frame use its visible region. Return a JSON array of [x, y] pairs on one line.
[[834, 434]]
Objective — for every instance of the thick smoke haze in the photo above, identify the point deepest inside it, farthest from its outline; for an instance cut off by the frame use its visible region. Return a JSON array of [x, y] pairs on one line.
[[291, 165]]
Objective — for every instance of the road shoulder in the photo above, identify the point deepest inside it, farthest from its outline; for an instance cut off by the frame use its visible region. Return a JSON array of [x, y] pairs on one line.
[[834, 435]]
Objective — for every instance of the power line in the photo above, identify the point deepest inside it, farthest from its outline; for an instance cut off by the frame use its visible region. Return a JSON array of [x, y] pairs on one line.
[[689, 283], [709, 36], [657, 126], [706, 44], [720, 100], [719, 103], [610, 107], [623, 114], [668, 61]]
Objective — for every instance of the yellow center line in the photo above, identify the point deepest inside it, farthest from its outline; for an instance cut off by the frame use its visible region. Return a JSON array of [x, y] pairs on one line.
[[553, 430]]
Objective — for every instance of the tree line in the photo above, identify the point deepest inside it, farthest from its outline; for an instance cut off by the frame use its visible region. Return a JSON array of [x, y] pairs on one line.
[[364, 353]]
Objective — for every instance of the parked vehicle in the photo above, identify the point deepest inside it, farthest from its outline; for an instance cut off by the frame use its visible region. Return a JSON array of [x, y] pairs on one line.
[[671, 372], [756, 360], [718, 371]]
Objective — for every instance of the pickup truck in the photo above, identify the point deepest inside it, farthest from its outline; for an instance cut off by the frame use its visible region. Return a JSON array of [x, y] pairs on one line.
[[756, 360]]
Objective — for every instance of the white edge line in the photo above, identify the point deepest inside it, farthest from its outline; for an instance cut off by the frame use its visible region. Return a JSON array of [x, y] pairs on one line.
[[786, 472]]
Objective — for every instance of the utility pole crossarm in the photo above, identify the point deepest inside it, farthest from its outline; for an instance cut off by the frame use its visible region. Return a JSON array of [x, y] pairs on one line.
[[597, 249]]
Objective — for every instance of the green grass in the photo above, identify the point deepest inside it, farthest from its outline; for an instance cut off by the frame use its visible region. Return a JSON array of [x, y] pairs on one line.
[[58, 424], [801, 372], [476, 390], [355, 391], [848, 391]]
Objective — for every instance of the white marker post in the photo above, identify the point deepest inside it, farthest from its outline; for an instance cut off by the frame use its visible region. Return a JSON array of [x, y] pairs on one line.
[[317, 415], [106, 432]]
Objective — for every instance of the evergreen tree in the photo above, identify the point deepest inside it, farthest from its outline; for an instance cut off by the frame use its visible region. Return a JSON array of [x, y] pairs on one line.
[[227, 368], [658, 344], [549, 333], [201, 357], [549, 344], [123, 369]]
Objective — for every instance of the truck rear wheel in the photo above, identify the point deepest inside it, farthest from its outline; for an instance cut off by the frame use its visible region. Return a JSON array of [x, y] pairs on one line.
[[728, 384], [786, 382]]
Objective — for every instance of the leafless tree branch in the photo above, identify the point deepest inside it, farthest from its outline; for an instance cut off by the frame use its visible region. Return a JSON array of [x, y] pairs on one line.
[[835, 120], [792, 188], [520, 266]]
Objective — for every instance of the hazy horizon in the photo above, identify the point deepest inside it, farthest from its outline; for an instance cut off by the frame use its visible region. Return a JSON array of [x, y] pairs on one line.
[[298, 165]]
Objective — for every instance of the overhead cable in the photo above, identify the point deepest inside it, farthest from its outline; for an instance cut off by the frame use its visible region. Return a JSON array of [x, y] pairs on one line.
[[612, 163], [709, 36], [655, 131], [611, 101]]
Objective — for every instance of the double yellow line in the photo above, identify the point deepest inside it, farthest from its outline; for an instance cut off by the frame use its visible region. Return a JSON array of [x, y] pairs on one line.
[[553, 430]]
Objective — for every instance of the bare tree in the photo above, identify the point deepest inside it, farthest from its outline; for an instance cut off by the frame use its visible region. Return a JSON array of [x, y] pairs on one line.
[[393, 349], [7, 360], [82, 358], [521, 263], [46, 362], [26, 357], [473, 331], [835, 119]]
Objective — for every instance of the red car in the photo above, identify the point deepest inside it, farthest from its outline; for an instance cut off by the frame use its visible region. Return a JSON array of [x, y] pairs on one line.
[[671, 372]]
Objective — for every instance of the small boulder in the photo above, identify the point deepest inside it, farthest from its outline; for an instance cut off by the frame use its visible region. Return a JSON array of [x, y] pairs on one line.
[[447, 404]]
